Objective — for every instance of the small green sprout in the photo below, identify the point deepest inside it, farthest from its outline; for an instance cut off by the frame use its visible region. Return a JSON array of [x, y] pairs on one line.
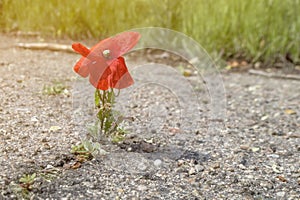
[[27, 181], [55, 89], [86, 149]]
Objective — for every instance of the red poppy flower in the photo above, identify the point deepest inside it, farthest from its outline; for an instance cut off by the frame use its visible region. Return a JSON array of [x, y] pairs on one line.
[[103, 62]]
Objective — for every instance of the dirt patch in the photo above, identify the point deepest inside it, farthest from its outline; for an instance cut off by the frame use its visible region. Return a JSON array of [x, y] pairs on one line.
[[255, 156]]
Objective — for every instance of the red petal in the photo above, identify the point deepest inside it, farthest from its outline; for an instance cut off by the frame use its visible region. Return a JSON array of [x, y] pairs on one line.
[[81, 69], [119, 77], [124, 82], [99, 70], [106, 73], [81, 49], [122, 43], [118, 45], [101, 84]]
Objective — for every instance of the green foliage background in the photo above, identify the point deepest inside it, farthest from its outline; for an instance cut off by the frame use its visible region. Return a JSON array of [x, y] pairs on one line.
[[251, 29]]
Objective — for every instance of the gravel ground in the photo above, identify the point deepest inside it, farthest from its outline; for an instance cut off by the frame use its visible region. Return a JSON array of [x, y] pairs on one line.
[[169, 152]]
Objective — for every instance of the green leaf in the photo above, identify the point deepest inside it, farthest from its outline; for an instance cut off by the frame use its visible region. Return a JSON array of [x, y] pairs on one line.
[[87, 145], [28, 178], [97, 98]]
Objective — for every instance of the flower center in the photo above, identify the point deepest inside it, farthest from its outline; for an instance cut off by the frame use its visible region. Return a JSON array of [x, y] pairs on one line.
[[106, 53]]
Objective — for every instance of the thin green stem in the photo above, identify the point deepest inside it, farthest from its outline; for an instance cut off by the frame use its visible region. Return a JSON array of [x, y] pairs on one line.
[[99, 95], [104, 97], [105, 100], [101, 102]]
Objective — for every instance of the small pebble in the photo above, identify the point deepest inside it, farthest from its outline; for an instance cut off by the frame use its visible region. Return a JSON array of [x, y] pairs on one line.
[[129, 149], [142, 187], [242, 166], [131, 135], [187, 72], [264, 118], [280, 194], [34, 119], [231, 169], [216, 165], [199, 168], [157, 162], [273, 156], [255, 149], [244, 147], [192, 171], [257, 65], [180, 162], [47, 146], [153, 131]]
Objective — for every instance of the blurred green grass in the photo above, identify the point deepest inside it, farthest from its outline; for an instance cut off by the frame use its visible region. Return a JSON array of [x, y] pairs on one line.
[[255, 30]]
